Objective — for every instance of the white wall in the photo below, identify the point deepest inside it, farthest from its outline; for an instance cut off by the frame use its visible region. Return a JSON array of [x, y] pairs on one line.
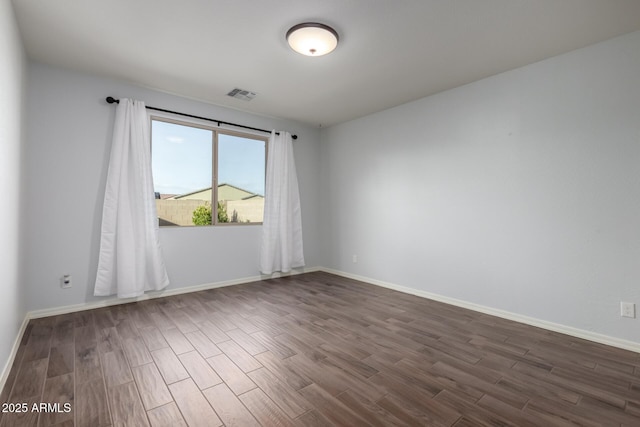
[[13, 69], [70, 127], [520, 192]]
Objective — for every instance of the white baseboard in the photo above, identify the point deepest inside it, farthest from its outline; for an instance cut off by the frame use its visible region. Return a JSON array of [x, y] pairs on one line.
[[12, 356], [551, 326]]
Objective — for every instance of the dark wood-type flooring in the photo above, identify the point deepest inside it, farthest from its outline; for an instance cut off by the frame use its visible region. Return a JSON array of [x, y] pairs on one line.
[[313, 350]]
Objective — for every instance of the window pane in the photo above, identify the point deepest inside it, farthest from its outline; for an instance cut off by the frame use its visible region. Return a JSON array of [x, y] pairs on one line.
[[182, 173], [241, 170]]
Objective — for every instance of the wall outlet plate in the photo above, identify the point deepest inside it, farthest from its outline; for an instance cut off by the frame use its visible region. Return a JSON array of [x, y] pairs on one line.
[[65, 281], [628, 309]]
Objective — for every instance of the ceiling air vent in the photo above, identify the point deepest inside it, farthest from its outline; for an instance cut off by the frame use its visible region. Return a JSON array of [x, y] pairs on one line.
[[245, 95]]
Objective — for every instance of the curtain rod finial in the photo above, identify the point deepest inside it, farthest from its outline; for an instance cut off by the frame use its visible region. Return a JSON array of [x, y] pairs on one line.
[[111, 100], [294, 136]]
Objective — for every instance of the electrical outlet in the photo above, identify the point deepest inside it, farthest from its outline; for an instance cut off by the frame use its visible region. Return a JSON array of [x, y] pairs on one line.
[[65, 281], [628, 309]]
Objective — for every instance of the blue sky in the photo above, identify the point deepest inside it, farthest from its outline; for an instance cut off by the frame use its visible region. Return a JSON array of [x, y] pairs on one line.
[[182, 159]]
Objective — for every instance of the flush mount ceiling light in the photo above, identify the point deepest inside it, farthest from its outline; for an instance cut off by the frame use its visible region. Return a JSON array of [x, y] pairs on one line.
[[312, 38]]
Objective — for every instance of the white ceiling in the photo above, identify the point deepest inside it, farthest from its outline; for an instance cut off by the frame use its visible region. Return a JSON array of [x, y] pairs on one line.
[[390, 52]]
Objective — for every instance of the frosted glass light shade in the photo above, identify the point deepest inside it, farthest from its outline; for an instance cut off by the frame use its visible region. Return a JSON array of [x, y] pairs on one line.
[[312, 39]]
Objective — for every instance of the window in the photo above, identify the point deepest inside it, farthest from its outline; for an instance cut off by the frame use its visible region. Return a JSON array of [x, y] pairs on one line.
[[206, 176]]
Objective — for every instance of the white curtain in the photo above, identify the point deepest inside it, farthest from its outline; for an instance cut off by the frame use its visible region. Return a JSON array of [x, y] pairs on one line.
[[282, 224], [130, 258]]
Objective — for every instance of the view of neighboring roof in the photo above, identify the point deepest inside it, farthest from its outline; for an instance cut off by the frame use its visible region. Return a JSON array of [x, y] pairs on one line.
[[225, 192]]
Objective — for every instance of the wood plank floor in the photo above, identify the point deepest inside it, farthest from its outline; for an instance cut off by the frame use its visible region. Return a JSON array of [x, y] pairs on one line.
[[313, 350]]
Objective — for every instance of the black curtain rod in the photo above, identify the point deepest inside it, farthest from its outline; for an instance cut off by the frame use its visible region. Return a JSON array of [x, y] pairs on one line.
[[112, 100]]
